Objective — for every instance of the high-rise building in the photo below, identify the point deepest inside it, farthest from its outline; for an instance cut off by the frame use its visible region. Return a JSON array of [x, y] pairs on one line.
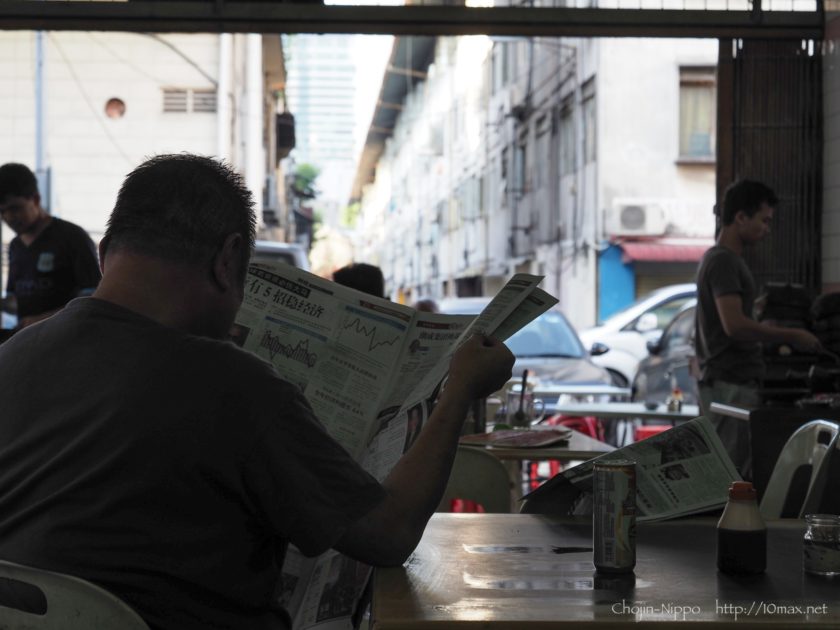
[[320, 92]]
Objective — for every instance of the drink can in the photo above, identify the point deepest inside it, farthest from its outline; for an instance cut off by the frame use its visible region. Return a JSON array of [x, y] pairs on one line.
[[614, 516]]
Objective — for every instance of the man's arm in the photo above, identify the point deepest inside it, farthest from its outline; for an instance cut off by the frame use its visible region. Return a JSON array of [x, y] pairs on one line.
[[741, 328], [389, 532]]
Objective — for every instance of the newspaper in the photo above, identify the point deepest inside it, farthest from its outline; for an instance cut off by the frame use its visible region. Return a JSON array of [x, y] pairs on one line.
[[684, 470], [372, 370]]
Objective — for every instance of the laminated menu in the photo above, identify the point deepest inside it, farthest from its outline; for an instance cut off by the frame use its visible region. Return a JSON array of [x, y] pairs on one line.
[[518, 438], [371, 370]]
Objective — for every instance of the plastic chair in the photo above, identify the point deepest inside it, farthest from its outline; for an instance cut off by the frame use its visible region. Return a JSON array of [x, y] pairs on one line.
[[55, 601], [478, 477], [799, 476], [648, 430]]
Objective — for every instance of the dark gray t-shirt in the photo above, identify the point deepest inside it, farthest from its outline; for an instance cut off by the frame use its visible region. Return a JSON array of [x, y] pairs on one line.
[[723, 272], [172, 470]]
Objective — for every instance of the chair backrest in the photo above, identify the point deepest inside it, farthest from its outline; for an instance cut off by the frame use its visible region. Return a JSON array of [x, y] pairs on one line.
[[60, 602], [799, 476], [478, 476]]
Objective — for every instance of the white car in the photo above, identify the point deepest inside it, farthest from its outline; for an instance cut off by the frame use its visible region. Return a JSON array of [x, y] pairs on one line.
[[620, 343], [274, 251]]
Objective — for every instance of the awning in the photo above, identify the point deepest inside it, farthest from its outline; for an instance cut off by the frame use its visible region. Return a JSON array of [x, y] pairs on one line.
[[663, 252]]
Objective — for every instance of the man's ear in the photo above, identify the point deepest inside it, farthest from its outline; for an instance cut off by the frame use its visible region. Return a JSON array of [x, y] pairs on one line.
[[227, 264], [103, 247]]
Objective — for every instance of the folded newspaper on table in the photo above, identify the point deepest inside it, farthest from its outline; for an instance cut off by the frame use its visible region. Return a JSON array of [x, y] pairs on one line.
[[372, 370], [684, 470]]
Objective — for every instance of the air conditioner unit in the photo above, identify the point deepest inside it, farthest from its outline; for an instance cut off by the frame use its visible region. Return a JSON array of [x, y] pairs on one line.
[[636, 217]]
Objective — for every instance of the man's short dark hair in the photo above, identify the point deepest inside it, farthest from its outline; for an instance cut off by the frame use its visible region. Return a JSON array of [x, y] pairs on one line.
[[746, 195], [363, 277], [16, 180], [180, 208]]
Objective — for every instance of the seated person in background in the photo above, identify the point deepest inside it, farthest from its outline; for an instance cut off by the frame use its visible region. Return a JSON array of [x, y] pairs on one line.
[[362, 277], [51, 261], [168, 465]]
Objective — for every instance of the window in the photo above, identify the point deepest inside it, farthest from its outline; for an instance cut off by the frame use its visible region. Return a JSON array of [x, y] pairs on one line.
[[543, 157], [501, 65], [665, 312], [589, 121], [519, 170], [680, 330], [174, 100], [567, 139], [697, 114], [204, 101], [183, 100]]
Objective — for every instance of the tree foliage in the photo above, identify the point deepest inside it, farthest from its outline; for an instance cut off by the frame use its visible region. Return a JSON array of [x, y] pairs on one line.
[[305, 176]]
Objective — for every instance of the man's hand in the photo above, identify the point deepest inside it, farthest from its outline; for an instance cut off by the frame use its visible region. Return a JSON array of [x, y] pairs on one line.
[[482, 365], [390, 531]]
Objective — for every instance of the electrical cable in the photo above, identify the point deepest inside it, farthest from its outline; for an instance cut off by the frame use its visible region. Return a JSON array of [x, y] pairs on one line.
[[90, 104], [183, 56], [125, 61]]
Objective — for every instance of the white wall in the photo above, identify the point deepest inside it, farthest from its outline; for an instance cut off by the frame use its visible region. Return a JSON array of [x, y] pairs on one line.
[[89, 153], [639, 109]]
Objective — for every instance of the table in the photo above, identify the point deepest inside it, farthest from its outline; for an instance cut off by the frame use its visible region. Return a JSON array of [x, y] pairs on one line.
[[547, 391], [627, 410], [499, 572], [579, 447]]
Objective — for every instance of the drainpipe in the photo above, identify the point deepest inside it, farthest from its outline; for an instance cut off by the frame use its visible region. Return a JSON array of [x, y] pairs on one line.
[[40, 165], [223, 100]]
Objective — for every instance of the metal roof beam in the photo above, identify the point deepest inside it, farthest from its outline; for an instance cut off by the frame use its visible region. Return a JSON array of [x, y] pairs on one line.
[[280, 17]]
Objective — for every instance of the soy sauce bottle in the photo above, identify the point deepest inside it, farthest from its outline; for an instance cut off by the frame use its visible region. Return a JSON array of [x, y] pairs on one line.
[[741, 533]]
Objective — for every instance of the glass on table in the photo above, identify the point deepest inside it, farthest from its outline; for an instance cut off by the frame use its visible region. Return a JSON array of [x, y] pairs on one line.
[[522, 409], [821, 545]]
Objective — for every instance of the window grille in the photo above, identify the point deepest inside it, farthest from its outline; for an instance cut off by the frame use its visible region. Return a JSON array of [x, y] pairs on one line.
[[204, 101], [174, 100]]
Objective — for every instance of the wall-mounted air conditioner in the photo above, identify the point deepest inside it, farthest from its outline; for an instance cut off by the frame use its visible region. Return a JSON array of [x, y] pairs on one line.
[[636, 217]]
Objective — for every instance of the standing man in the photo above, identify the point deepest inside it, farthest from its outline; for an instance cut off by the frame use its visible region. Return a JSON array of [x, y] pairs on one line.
[[51, 261], [728, 339]]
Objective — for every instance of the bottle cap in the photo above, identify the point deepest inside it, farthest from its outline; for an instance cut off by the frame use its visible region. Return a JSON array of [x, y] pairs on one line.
[[742, 490]]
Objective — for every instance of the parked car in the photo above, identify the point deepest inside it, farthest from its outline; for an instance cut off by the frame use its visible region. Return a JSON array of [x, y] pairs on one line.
[[620, 342], [274, 251], [548, 347], [668, 361]]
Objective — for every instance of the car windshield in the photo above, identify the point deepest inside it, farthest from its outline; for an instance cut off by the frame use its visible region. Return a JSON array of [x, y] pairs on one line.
[[550, 335]]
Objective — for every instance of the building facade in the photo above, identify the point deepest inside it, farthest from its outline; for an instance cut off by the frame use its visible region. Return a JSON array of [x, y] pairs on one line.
[[548, 156], [113, 99]]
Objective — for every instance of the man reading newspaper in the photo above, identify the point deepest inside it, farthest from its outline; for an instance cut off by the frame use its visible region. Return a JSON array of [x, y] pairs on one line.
[[143, 452]]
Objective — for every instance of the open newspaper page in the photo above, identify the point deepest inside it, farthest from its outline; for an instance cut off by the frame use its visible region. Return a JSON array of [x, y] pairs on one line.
[[518, 303], [681, 471], [340, 346], [334, 590], [372, 370]]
